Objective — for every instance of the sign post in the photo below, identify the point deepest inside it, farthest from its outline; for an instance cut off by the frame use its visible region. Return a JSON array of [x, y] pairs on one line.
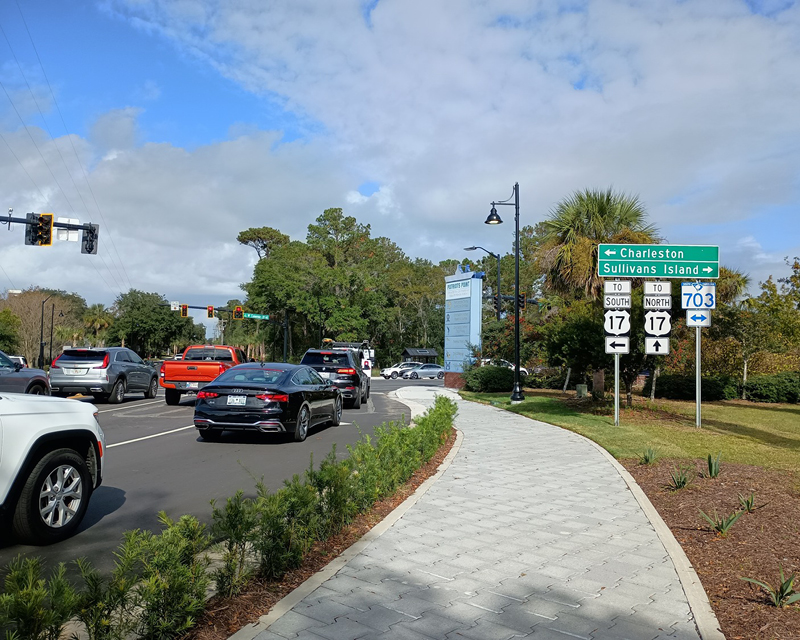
[[698, 298], [617, 326]]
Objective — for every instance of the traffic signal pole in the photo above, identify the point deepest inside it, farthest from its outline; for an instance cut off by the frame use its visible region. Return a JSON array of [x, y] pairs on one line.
[[34, 226]]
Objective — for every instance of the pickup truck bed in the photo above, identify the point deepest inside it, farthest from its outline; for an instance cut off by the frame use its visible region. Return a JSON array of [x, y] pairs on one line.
[[200, 365]]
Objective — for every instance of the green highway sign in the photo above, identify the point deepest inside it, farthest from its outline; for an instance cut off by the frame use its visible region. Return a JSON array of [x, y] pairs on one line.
[[256, 316], [657, 261]]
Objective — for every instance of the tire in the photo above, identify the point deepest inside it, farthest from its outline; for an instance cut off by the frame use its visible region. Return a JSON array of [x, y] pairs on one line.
[[414, 375], [172, 396], [357, 401], [117, 394], [336, 420], [440, 375], [301, 426], [365, 394], [394, 375], [369, 388], [152, 390], [210, 435], [62, 513], [37, 390]]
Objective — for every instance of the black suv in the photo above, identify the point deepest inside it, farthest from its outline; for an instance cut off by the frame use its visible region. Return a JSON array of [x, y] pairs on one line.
[[343, 368]]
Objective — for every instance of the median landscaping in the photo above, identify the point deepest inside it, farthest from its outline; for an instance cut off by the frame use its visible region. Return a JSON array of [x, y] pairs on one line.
[[729, 492]]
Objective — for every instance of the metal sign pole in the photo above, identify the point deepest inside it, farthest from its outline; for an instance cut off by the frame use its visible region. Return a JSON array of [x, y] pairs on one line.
[[616, 390], [697, 370]]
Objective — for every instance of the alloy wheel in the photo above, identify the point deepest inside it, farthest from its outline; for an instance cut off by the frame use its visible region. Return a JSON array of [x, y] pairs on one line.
[[60, 496]]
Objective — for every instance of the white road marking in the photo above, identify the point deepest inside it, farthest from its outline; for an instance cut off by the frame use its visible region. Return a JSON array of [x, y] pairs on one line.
[[155, 435], [129, 406]]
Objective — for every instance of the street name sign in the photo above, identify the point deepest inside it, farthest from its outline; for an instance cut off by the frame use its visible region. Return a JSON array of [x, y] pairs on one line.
[[698, 318], [617, 287], [618, 345], [616, 302], [658, 288], [175, 305], [657, 261], [657, 302], [256, 316], [699, 295], [656, 346], [617, 323]]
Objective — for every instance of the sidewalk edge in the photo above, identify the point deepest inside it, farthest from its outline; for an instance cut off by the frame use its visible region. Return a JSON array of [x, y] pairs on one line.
[[706, 620], [284, 605]]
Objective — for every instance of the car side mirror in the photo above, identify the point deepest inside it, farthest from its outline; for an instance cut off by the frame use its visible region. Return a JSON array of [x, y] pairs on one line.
[[17, 366], [252, 359]]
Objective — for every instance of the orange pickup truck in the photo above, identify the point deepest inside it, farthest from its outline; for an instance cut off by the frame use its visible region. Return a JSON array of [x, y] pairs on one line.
[[199, 366]]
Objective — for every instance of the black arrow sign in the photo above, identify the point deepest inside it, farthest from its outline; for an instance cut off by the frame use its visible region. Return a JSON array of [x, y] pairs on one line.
[[657, 346], [614, 345]]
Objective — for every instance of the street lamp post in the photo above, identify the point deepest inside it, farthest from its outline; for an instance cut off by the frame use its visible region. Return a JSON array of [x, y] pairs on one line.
[[493, 218], [41, 334], [497, 256]]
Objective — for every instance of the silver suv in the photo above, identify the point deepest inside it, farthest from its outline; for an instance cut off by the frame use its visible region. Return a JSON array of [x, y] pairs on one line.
[[105, 373]]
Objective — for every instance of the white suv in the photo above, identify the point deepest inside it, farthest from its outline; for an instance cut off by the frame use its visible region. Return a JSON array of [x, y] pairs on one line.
[[51, 460], [397, 370]]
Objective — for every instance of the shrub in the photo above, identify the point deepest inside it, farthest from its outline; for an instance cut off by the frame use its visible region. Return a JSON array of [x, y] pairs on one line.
[[553, 378], [682, 387], [781, 387], [782, 593], [332, 482], [490, 379], [234, 525]]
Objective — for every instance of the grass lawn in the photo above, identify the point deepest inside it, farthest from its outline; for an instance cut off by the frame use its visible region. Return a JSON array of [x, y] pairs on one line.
[[765, 435]]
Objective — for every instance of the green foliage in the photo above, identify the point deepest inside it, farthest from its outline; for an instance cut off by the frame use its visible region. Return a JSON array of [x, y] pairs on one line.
[[9, 331], [713, 465], [333, 484], [781, 594], [548, 379], [489, 379], [174, 580], [263, 239], [649, 456], [781, 387], [32, 607], [680, 477], [721, 524], [682, 387], [234, 525], [748, 502]]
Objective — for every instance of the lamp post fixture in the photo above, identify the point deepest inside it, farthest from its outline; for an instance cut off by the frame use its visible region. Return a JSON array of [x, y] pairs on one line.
[[41, 334], [497, 257], [493, 218]]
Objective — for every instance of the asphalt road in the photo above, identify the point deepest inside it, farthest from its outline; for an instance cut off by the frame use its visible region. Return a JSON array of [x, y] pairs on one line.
[[155, 461]]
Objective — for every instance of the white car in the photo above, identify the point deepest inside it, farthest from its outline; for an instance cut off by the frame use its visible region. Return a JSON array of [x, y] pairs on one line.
[[52, 460], [396, 370], [499, 362]]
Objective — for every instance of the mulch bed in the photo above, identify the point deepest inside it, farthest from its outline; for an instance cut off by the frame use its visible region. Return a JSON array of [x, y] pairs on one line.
[[225, 616], [755, 547]]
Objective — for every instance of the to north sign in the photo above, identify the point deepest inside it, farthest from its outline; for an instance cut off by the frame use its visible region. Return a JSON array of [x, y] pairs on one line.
[[657, 261], [656, 346]]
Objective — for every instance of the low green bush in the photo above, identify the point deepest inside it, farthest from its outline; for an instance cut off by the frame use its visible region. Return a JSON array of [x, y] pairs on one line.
[[682, 387], [780, 387], [553, 378], [490, 379]]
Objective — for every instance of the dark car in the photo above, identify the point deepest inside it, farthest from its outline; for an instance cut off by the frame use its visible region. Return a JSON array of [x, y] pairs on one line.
[[17, 378], [267, 397], [343, 369], [106, 373]]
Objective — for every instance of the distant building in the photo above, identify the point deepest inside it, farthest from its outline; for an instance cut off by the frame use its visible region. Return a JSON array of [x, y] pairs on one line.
[[420, 355]]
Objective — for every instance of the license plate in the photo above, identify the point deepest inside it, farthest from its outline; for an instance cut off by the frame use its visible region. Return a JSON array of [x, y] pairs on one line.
[[324, 374], [191, 385], [74, 372], [237, 400]]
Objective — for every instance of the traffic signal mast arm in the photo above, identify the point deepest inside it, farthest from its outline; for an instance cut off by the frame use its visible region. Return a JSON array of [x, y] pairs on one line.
[[35, 220]]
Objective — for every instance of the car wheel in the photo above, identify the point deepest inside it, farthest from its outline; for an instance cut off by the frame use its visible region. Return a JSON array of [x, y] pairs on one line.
[[357, 401], [37, 390], [54, 498], [172, 396], [152, 390], [394, 375], [365, 394], [414, 375], [337, 412], [440, 375], [210, 435], [369, 388], [117, 392], [301, 427]]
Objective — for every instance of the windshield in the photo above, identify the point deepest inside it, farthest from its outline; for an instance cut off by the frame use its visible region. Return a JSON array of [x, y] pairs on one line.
[[251, 375], [326, 357]]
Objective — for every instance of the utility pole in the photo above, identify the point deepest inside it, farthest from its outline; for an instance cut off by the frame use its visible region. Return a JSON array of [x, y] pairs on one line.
[[285, 334]]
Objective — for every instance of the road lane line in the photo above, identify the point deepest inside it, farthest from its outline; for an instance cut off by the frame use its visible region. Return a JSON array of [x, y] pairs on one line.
[[155, 435], [140, 404]]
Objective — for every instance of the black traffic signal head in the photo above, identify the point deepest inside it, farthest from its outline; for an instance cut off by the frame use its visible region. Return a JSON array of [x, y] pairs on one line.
[[210, 311], [237, 313], [89, 239], [496, 302], [521, 300], [184, 311], [45, 229]]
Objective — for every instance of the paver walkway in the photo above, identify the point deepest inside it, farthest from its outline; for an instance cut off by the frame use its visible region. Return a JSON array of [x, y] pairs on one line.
[[530, 532]]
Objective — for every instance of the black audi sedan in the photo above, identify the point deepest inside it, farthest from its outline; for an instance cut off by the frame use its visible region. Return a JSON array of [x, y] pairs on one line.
[[269, 397]]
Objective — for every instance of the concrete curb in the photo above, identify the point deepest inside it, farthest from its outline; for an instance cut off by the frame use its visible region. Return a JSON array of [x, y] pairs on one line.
[[284, 605], [704, 616]]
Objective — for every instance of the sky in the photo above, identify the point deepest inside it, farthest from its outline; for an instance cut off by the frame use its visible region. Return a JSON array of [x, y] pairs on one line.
[[175, 124]]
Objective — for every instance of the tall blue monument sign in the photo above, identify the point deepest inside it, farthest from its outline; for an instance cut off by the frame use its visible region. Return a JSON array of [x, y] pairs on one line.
[[462, 319]]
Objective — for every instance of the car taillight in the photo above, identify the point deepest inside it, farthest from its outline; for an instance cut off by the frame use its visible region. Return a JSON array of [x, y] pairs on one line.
[[54, 365], [105, 363], [222, 369], [207, 394], [273, 397], [346, 371], [161, 370]]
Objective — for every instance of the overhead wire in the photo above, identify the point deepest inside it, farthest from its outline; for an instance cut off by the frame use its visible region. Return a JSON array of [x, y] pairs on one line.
[[77, 158]]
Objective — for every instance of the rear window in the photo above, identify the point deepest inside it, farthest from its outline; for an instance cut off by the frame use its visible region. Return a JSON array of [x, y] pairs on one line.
[[218, 355], [260, 376], [82, 355], [326, 357]]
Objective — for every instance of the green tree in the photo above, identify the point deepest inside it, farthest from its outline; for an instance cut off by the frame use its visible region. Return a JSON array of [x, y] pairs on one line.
[[263, 239], [9, 331], [97, 319]]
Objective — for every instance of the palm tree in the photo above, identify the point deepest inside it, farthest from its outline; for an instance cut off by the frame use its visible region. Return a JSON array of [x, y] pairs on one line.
[[731, 285], [97, 319], [581, 222]]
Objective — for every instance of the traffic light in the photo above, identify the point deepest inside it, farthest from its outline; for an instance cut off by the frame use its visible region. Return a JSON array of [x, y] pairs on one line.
[[237, 313], [184, 311], [39, 230], [89, 240], [210, 311], [496, 301], [521, 300]]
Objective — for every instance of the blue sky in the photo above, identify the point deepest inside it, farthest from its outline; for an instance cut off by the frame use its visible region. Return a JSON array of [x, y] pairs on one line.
[[187, 121]]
